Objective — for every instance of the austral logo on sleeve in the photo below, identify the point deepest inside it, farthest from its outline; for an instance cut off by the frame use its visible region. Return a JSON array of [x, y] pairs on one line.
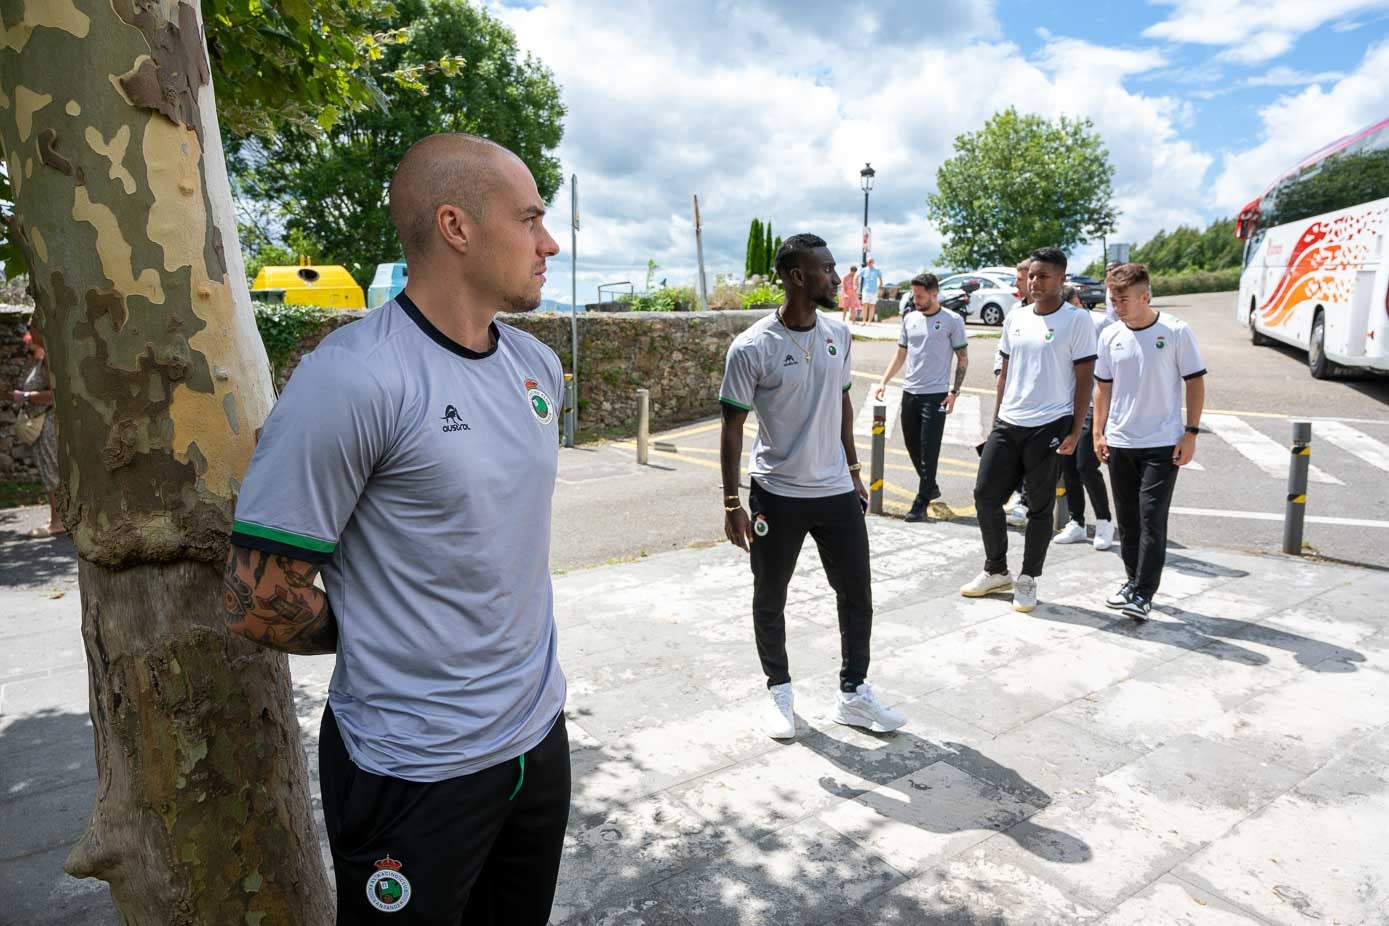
[[452, 421], [541, 404]]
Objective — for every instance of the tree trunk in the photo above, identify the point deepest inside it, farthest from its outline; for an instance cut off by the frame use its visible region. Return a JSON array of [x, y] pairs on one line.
[[122, 205]]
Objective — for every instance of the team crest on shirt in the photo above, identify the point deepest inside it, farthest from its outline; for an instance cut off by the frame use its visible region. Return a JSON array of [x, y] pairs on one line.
[[541, 404], [1161, 342], [1051, 332], [388, 890], [760, 527], [830, 348]]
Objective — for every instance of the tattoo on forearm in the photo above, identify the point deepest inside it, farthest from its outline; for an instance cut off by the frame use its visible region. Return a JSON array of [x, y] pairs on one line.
[[279, 607], [960, 367]]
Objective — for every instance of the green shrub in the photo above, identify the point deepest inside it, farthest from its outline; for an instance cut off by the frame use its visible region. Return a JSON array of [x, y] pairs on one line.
[[1197, 281], [763, 294], [669, 299], [282, 327]]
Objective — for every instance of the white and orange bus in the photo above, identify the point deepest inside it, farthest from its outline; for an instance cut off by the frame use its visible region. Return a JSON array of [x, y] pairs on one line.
[[1316, 257]]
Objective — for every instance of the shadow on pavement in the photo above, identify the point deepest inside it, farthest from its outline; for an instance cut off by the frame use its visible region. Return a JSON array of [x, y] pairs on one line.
[[25, 562]]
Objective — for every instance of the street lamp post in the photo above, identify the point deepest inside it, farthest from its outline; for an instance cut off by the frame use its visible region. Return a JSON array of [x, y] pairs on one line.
[[866, 181]]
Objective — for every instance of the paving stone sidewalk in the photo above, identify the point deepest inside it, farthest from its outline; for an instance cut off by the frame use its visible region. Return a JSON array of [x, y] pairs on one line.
[[1226, 763]]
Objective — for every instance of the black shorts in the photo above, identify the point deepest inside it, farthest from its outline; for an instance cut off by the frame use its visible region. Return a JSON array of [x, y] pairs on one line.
[[475, 850]]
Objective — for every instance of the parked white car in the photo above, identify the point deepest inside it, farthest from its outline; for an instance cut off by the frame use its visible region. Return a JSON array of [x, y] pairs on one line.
[[991, 301]]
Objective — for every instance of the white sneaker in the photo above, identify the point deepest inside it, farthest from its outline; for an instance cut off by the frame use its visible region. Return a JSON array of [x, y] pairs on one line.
[[987, 582], [1017, 515], [1073, 532], [1025, 594], [779, 716], [1104, 535], [863, 709]]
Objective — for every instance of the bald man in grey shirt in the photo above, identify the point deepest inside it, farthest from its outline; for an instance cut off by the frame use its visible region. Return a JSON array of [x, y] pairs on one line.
[[411, 461]]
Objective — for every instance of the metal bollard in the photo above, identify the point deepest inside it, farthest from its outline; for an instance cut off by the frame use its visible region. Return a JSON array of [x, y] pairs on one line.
[[643, 423], [875, 466], [1296, 508], [1061, 510], [568, 414]]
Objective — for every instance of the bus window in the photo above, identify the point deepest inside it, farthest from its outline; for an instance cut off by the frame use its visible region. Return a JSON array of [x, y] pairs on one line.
[[1347, 178]]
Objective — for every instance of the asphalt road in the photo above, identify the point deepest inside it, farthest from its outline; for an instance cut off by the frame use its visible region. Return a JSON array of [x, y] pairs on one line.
[[608, 508]]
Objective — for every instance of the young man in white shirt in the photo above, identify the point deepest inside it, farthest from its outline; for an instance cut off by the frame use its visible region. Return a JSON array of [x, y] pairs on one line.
[[1145, 364], [1048, 351], [930, 338], [793, 369]]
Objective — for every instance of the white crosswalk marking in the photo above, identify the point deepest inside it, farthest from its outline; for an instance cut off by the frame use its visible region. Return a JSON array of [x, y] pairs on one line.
[[963, 426], [1352, 441], [1261, 450], [863, 422]]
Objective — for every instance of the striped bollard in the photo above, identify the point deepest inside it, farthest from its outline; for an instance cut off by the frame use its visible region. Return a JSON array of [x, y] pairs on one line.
[[875, 473], [1296, 509]]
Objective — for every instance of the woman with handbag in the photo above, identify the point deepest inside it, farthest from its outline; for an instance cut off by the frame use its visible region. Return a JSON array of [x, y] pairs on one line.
[[35, 426]]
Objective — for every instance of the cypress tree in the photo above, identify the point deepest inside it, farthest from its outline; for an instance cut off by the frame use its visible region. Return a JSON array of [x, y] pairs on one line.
[[768, 254], [754, 246]]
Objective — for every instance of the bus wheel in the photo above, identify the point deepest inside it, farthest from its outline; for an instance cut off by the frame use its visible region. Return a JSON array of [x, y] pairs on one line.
[[1316, 351], [1259, 340]]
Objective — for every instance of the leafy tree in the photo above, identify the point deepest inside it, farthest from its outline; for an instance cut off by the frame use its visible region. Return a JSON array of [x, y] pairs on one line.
[[768, 252], [1021, 183], [752, 259], [331, 186], [123, 212]]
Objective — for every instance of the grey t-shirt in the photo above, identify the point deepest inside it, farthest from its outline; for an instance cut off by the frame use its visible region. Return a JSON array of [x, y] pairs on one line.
[[1147, 368], [799, 403], [931, 342], [420, 473]]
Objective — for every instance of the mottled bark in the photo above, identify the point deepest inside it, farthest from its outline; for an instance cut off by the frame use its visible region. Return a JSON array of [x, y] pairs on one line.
[[108, 125]]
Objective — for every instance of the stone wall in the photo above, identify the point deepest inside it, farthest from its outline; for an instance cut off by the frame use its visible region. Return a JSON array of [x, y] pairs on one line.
[[16, 457], [678, 356]]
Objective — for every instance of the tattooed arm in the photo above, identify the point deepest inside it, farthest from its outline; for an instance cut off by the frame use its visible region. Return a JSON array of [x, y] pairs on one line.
[[270, 599]]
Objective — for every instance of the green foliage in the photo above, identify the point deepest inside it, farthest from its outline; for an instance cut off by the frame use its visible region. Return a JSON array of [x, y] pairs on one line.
[[1186, 249], [763, 294], [651, 268], [667, 299], [15, 494], [768, 253], [752, 259], [1020, 183], [1200, 281], [331, 186], [11, 257], [282, 327]]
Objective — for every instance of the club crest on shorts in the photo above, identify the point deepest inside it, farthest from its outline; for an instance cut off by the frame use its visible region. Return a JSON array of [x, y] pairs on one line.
[[760, 527], [1161, 342], [540, 402], [388, 890], [830, 348]]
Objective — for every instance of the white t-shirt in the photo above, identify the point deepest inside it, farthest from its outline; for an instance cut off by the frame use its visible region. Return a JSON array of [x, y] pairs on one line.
[[799, 403], [931, 341], [1042, 352], [1147, 368]]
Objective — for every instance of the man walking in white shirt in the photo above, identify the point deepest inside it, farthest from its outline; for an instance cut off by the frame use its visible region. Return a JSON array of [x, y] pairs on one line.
[[1144, 366]]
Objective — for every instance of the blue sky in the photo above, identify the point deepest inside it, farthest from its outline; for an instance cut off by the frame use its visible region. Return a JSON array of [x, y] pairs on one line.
[[769, 108]]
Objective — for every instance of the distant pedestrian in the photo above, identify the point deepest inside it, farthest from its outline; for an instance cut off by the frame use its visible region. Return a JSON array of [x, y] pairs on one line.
[[793, 368], [870, 281], [1146, 366], [849, 304], [36, 427], [1043, 389], [930, 338]]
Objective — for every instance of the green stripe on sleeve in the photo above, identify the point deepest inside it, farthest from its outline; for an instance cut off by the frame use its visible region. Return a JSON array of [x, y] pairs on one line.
[[960, 346], [279, 536], [848, 386], [727, 401]]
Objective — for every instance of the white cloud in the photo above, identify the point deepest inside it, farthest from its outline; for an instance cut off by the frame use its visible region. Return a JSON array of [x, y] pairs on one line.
[[1296, 125], [764, 111], [1283, 76], [1253, 31]]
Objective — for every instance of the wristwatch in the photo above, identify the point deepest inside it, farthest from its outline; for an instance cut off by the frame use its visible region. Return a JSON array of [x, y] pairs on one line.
[[1191, 430], [954, 392]]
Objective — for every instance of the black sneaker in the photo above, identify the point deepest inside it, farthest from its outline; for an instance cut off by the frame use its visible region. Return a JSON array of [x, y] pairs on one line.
[[1138, 608], [1120, 598], [917, 514]]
